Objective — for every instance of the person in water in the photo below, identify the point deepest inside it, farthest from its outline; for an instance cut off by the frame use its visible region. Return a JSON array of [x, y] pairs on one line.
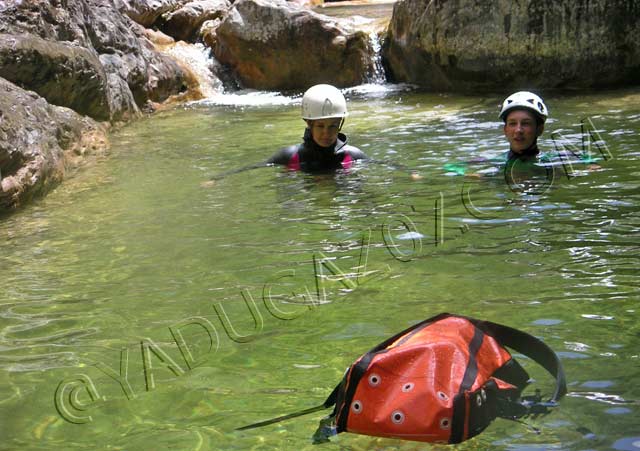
[[524, 115], [324, 147]]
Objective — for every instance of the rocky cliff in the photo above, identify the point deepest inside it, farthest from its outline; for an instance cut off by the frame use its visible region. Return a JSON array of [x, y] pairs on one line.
[[465, 45]]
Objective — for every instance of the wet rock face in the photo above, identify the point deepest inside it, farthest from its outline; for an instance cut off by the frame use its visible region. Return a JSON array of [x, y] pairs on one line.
[[37, 142], [84, 54], [467, 45], [66, 74], [277, 45]]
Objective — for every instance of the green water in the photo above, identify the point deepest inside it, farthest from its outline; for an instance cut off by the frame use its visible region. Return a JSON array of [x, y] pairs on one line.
[[133, 245]]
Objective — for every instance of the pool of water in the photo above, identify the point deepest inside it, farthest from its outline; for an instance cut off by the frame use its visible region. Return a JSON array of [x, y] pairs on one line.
[[107, 274]]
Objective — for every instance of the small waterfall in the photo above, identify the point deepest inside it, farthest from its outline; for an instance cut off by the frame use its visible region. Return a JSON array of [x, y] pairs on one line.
[[217, 87], [377, 74], [199, 60], [212, 79]]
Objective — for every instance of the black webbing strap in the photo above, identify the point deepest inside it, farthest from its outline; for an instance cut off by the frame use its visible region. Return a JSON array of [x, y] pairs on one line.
[[531, 347], [470, 374], [354, 375], [331, 400]]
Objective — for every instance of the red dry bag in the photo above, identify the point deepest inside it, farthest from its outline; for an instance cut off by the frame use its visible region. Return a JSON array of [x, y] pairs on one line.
[[442, 380]]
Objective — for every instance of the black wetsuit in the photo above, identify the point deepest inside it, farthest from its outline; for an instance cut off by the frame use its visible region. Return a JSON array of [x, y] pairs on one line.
[[310, 157], [528, 154]]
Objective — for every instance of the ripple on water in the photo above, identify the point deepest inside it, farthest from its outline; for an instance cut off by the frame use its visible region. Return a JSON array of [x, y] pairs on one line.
[[627, 444], [597, 384], [547, 322], [618, 411], [606, 398]]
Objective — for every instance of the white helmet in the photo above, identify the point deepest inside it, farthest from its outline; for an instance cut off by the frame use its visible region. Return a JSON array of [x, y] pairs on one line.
[[323, 102], [527, 100]]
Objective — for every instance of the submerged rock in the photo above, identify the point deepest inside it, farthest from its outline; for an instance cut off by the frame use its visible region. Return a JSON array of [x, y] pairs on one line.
[[38, 142], [467, 45], [277, 45]]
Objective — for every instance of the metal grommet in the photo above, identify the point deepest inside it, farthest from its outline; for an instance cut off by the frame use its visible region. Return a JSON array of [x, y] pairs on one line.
[[479, 400], [374, 380], [445, 423], [443, 396], [408, 387], [356, 407], [397, 417], [483, 394]]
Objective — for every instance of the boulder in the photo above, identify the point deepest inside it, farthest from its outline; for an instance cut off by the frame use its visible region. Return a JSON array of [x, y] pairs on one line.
[[38, 142], [184, 23], [468, 45], [150, 76], [209, 32], [276, 45], [65, 74]]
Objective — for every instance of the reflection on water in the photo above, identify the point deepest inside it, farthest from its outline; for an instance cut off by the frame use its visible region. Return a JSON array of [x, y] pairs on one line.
[[100, 276]]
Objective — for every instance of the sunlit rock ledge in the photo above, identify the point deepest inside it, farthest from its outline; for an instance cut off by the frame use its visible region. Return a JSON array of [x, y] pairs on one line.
[[67, 70], [39, 143]]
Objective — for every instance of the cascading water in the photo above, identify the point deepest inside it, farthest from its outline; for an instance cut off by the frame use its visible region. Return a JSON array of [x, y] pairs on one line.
[[377, 75], [199, 60], [216, 88]]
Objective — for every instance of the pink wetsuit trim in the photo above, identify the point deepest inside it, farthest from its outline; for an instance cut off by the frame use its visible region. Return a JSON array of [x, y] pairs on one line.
[[347, 161], [294, 163]]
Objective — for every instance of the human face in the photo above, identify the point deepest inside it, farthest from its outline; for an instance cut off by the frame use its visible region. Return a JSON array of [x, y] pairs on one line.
[[521, 130], [325, 131]]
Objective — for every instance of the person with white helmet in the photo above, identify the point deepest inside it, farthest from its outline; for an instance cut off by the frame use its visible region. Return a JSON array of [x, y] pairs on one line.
[[324, 148], [524, 114]]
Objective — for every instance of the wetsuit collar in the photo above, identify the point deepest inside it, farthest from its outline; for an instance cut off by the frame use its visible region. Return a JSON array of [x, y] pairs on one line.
[[531, 152]]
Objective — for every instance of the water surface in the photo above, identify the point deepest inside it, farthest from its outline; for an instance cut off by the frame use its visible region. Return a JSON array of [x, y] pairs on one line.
[[134, 245]]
